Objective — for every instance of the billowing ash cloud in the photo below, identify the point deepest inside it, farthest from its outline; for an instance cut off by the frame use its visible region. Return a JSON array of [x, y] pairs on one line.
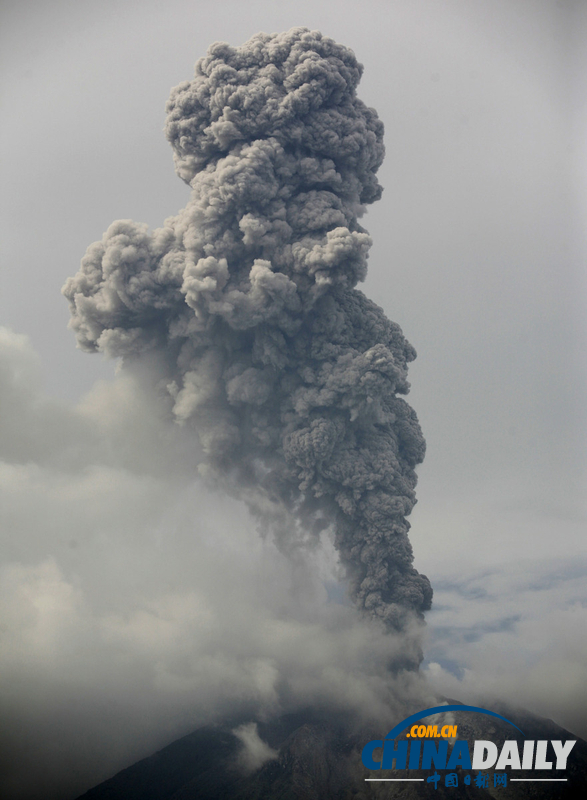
[[290, 375]]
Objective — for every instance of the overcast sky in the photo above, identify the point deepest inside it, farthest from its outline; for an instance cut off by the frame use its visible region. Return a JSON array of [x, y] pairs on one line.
[[120, 571]]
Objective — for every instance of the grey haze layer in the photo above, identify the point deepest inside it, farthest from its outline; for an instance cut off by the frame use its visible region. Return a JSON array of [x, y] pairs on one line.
[[290, 375]]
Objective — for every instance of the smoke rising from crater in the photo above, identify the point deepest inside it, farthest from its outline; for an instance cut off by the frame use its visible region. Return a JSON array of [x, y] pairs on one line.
[[290, 375]]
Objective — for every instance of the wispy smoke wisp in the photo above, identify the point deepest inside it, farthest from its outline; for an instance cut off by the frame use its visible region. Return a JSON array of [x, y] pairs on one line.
[[290, 375]]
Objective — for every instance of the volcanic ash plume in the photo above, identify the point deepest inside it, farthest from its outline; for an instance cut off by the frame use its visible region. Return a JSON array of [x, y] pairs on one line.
[[290, 375]]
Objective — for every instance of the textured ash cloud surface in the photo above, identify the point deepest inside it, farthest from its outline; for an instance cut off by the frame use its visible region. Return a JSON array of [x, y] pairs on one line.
[[478, 252], [288, 373]]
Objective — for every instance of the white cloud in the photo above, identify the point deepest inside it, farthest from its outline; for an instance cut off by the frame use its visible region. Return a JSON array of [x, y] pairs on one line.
[[255, 751], [137, 604]]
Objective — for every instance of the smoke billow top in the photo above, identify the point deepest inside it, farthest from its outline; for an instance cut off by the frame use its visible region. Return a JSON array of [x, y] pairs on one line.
[[290, 375]]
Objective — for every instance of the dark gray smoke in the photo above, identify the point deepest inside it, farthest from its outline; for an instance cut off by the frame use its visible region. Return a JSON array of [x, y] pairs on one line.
[[290, 375]]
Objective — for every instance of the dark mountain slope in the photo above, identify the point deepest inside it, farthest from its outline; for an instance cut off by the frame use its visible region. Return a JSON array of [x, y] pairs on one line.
[[318, 758]]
